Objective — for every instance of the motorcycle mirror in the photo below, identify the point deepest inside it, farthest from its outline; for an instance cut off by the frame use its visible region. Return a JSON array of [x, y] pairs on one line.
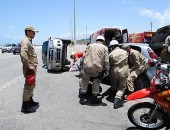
[[151, 63]]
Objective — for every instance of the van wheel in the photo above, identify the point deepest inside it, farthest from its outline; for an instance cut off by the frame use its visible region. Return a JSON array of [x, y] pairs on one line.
[[141, 82], [49, 71]]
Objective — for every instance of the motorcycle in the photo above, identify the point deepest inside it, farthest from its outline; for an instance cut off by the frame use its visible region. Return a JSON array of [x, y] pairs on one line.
[[156, 114]]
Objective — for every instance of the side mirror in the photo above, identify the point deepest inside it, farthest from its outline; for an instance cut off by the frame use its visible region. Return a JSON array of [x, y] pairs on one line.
[[151, 63]]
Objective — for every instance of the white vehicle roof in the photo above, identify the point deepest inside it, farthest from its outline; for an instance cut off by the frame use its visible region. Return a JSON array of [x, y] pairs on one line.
[[144, 48]]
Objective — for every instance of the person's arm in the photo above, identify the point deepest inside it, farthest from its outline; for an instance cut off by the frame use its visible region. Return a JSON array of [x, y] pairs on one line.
[[163, 53], [167, 40], [24, 56], [165, 48], [106, 62], [136, 64], [75, 59]]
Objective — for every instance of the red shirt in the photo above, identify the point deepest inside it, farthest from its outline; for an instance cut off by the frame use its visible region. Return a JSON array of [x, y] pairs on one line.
[[78, 55]]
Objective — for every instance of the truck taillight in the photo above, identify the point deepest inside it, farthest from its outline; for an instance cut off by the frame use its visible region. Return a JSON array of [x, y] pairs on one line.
[[152, 54]]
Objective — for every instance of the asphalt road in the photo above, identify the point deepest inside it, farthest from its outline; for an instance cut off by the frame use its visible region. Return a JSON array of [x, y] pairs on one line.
[[59, 103]]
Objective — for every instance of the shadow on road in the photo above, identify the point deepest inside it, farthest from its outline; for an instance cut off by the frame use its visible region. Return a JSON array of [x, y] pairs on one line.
[[88, 103], [64, 69]]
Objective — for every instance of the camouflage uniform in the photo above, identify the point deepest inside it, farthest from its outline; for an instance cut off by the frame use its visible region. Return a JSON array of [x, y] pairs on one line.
[[95, 61], [119, 70], [167, 40], [165, 54], [138, 65], [28, 58]]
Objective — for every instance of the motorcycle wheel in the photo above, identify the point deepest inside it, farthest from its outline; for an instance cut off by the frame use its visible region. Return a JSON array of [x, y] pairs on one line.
[[140, 113]]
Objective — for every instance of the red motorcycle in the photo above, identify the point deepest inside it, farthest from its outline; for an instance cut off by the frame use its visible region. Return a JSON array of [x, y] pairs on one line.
[[156, 114]]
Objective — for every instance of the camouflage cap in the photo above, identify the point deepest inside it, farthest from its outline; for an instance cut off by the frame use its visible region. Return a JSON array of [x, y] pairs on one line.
[[30, 28]]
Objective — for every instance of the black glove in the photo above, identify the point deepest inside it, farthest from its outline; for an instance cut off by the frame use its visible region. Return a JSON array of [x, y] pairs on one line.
[[103, 74]]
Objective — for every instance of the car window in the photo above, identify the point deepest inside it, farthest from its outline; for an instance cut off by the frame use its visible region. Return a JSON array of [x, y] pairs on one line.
[[13, 45], [136, 48], [7, 45]]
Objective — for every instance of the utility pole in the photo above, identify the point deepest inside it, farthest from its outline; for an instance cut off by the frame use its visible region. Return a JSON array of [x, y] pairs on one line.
[[86, 32], [74, 23], [151, 26], [71, 30]]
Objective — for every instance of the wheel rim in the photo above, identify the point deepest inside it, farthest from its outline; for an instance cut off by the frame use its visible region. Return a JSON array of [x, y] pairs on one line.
[[141, 117]]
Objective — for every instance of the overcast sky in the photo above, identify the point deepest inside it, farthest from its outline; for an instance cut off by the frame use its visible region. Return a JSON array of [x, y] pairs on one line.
[[56, 17]]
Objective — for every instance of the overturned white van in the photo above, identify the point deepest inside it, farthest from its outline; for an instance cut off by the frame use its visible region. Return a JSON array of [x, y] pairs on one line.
[[57, 54]]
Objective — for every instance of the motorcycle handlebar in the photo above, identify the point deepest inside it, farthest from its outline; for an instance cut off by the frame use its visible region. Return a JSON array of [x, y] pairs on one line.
[[163, 87]]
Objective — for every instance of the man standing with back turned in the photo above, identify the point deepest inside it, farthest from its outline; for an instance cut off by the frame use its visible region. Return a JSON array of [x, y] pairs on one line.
[[95, 61], [119, 70], [29, 61]]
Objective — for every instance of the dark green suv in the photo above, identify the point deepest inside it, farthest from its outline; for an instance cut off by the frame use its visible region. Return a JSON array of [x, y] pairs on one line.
[[159, 39]]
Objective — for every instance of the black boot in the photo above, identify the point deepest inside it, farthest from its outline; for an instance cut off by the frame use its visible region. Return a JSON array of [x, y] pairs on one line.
[[117, 103], [83, 98], [27, 108], [95, 100], [33, 102]]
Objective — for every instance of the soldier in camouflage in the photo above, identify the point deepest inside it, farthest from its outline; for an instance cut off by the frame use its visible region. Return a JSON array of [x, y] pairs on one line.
[[30, 62], [137, 63], [94, 62], [119, 71], [165, 56]]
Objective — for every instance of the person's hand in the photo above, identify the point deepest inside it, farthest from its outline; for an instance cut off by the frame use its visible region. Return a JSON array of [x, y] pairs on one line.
[[76, 59], [32, 68], [106, 72], [130, 70]]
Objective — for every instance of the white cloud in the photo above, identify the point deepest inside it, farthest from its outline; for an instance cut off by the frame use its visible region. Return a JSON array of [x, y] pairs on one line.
[[162, 17], [150, 13]]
